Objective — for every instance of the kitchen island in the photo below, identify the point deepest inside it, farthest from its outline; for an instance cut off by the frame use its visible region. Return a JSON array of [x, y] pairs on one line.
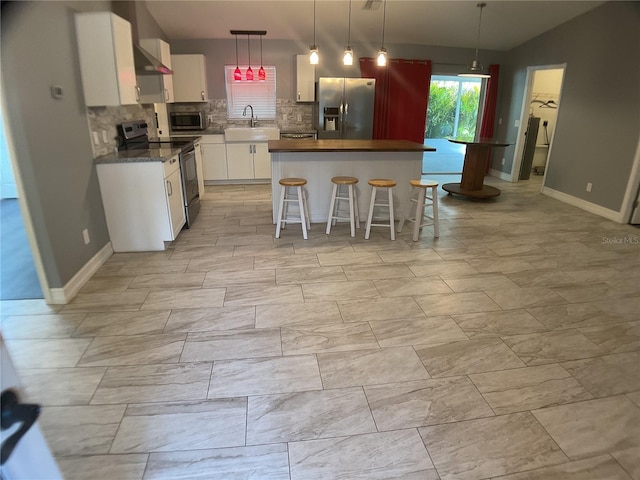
[[319, 160]]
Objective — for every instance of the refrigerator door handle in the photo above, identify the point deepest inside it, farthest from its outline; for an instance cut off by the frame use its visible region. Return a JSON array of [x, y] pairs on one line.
[[346, 119]]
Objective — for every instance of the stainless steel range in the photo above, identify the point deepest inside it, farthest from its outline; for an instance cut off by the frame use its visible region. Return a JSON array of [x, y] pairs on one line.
[[135, 136]]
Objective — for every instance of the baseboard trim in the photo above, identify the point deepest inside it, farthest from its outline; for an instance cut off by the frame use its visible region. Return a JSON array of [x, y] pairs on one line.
[[584, 205], [500, 175], [61, 296]]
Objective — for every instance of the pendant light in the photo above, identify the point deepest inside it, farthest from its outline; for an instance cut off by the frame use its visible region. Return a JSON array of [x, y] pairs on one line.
[[348, 52], [249, 74], [262, 75], [382, 53], [313, 49], [237, 74], [475, 70]]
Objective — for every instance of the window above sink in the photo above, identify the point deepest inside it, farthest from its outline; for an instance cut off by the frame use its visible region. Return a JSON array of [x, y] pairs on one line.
[[260, 94]]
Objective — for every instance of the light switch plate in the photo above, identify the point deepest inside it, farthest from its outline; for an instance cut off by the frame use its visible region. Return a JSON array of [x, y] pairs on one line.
[[96, 138]]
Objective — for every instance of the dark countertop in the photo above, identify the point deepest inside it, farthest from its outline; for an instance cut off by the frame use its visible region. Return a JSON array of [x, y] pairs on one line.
[[129, 156], [317, 146]]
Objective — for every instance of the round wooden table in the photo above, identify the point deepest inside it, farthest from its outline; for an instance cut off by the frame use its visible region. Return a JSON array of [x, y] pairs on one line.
[[473, 170]]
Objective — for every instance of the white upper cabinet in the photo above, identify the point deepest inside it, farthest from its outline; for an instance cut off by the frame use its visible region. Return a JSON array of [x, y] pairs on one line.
[[156, 88], [106, 59], [305, 79], [189, 78]]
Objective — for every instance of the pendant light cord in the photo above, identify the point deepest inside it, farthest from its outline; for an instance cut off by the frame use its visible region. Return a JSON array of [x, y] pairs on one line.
[[249, 50], [384, 19], [314, 22], [481, 6], [236, 51], [349, 35], [260, 51]]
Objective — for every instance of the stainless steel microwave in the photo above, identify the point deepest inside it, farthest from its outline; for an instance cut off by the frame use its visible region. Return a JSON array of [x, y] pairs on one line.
[[187, 121]]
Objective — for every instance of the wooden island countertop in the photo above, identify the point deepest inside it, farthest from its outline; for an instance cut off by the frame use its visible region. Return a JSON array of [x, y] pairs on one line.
[[308, 146]]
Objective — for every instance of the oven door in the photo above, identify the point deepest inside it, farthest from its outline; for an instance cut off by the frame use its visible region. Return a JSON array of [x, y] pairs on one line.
[[190, 184]]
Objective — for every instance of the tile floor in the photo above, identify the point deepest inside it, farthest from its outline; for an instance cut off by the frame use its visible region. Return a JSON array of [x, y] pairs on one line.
[[508, 348]]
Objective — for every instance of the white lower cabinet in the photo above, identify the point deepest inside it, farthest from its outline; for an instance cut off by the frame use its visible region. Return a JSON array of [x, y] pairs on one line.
[[143, 203], [240, 161], [261, 161], [248, 161], [214, 158]]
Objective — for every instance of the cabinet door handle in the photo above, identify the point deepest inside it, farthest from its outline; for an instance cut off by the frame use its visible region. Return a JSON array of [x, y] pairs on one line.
[[299, 95], [166, 95], [202, 94], [137, 94], [169, 188]]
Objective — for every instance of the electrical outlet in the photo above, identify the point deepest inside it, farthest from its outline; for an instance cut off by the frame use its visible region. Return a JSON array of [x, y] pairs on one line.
[[284, 117], [85, 236], [210, 118], [500, 121], [299, 118], [105, 139], [96, 138], [503, 160], [589, 186], [516, 123]]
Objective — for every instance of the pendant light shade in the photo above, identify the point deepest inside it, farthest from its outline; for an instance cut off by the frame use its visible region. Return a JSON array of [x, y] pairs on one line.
[[475, 69], [314, 57], [237, 74], [262, 75], [348, 51], [382, 53]]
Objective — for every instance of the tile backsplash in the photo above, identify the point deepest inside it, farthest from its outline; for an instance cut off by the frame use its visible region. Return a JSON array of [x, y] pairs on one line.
[[107, 118]]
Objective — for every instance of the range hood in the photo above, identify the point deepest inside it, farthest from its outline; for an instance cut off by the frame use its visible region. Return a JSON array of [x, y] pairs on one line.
[[147, 64]]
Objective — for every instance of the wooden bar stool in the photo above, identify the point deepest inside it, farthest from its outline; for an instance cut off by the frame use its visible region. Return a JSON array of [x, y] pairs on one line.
[[299, 198], [375, 184], [423, 200], [350, 196]]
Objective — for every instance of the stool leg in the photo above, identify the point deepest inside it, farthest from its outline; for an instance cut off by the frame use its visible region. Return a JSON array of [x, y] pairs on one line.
[[406, 211], [352, 212], [373, 201], [355, 205], [419, 214], [434, 200], [392, 223], [280, 211], [306, 208], [303, 219], [331, 208]]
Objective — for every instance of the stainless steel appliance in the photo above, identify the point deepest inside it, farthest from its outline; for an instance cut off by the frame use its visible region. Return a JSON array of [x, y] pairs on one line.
[[187, 120], [134, 136], [299, 135], [345, 107]]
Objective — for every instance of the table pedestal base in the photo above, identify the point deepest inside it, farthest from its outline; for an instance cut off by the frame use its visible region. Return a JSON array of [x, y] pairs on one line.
[[486, 191]]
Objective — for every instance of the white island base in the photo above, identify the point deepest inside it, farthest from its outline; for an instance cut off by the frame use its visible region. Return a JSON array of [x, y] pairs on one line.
[[319, 167]]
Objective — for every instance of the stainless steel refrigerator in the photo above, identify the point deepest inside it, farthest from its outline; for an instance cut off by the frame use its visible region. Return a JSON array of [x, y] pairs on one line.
[[345, 108]]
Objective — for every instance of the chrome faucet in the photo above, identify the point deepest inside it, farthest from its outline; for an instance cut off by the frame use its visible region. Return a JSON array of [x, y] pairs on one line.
[[254, 120]]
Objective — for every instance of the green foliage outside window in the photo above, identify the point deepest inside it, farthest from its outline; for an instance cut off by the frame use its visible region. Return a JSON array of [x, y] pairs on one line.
[[441, 112]]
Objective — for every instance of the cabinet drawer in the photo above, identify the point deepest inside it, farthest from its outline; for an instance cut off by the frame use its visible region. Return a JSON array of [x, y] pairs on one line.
[[171, 166]]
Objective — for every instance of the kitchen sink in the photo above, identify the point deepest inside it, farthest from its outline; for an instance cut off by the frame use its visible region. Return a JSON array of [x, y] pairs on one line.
[[247, 134]]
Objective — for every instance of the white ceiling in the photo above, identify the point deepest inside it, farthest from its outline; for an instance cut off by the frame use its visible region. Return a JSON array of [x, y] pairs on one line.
[[452, 23]]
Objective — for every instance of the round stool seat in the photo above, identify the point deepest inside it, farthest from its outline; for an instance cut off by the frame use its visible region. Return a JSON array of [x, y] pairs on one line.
[[382, 182], [423, 183], [292, 182], [345, 180]]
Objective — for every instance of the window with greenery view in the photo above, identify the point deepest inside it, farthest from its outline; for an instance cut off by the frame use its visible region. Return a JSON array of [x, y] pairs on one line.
[[453, 108]]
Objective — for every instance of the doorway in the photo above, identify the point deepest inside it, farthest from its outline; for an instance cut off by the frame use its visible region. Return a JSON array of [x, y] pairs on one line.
[[19, 278], [539, 115], [452, 113]]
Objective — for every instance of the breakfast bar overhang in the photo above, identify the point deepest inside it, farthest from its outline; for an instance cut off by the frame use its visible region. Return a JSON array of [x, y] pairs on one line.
[[319, 160]]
